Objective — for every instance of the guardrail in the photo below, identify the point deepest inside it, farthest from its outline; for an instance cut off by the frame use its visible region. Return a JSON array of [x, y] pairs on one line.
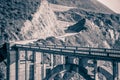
[[99, 53]]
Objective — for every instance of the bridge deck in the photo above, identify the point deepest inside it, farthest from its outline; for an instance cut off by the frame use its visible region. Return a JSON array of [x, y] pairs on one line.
[[94, 53]]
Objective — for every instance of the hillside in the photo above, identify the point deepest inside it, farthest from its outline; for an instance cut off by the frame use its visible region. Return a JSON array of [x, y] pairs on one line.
[[34, 19], [108, 24], [89, 5], [13, 14], [23, 18]]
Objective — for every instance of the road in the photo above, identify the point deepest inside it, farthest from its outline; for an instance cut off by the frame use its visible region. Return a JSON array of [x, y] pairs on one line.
[[33, 40]]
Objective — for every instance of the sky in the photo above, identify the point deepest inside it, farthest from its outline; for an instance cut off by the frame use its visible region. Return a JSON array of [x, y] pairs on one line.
[[112, 4]]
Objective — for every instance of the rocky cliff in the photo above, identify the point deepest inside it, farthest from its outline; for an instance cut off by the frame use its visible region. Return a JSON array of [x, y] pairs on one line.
[[27, 19]]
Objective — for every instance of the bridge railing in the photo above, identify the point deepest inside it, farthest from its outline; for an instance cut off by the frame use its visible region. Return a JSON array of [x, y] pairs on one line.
[[71, 47], [82, 51]]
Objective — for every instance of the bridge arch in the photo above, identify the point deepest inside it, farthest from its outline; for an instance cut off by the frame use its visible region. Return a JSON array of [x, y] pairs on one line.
[[68, 67], [107, 74]]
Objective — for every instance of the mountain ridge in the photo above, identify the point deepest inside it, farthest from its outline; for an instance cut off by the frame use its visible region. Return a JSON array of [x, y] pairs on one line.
[[92, 5]]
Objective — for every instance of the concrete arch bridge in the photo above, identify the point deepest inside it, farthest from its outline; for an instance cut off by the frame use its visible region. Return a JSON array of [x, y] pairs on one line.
[[27, 62]]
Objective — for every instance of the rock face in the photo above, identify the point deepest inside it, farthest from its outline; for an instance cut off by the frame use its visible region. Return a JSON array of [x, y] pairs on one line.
[[27, 19], [43, 24], [78, 26]]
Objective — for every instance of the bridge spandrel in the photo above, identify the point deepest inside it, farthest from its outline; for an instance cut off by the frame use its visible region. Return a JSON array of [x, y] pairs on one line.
[[35, 64]]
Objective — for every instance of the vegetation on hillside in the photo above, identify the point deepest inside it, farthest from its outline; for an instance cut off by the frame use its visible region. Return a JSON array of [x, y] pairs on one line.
[[13, 14]]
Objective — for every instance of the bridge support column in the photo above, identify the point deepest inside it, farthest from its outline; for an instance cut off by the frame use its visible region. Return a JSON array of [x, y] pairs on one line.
[[95, 69], [34, 62], [26, 65], [118, 71], [62, 59], [38, 66], [51, 64], [42, 65], [17, 64], [8, 61], [80, 63], [44, 68], [66, 60], [115, 70]]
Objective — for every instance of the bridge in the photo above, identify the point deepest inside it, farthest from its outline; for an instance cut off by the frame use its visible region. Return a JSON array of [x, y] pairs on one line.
[[29, 62]]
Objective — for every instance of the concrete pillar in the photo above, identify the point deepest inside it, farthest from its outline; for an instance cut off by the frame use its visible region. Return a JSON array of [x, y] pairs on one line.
[[26, 65], [62, 59], [17, 64], [95, 69], [115, 70], [8, 61], [66, 60], [34, 62], [118, 71], [38, 69], [52, 61], [80, 62], [44, 68]]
